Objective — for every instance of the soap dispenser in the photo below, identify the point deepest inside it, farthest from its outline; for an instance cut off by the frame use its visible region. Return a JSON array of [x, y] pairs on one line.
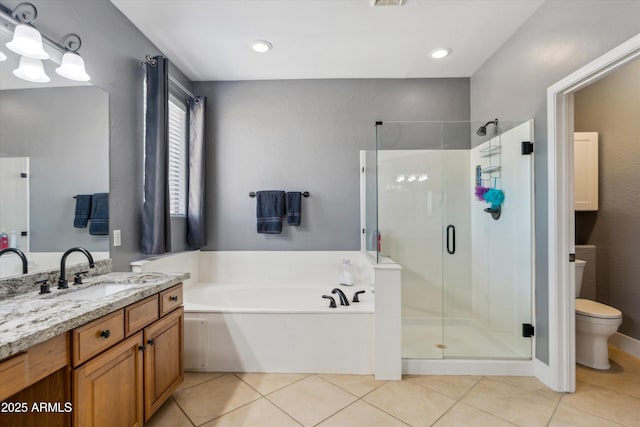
[[346, 273]]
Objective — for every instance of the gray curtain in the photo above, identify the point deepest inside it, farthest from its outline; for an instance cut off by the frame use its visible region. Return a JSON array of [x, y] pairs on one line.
[[156, 219], [196, 236]]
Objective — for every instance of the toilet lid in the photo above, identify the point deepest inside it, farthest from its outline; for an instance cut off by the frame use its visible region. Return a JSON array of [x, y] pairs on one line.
[[595, 309]]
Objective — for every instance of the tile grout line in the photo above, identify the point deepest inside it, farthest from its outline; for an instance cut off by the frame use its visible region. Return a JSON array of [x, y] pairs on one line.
[[183, 412], [377, 407], [483, 377], [587, 411], [205, 381], [272, 391], [555, 409]]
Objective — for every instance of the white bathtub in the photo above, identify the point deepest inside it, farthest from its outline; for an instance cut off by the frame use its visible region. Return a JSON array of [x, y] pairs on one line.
[[273, 298], [252, 311], [266, 327]]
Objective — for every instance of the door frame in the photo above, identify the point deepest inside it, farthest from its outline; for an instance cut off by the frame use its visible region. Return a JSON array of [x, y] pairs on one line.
[[560, 372]]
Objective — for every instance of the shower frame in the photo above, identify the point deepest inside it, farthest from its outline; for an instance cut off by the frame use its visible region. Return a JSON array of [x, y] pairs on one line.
[[444, 366]]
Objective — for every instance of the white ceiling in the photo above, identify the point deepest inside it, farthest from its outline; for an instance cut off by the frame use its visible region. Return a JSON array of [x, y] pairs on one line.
[[312, 39]]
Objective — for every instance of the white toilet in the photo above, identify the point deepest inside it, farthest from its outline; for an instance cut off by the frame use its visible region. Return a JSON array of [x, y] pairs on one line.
[[595, 323]]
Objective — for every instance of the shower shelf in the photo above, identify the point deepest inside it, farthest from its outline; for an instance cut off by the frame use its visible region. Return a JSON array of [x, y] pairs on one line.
[[488, 152], [491, 169]]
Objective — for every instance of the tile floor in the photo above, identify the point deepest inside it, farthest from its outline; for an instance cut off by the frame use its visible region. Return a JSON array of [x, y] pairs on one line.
[[602, 399]]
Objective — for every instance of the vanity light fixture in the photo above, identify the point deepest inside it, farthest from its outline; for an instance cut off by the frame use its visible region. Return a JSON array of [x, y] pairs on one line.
[[31, 70], [400, 178], [27, 40], [72, 66], [261, 46], [440, 53], [423, 177], [412, 178]]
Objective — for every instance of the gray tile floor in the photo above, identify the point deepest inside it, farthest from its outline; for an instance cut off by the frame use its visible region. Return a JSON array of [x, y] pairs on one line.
[[610, 398]]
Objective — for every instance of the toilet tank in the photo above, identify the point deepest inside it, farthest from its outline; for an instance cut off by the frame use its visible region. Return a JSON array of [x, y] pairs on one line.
[[579, 271]]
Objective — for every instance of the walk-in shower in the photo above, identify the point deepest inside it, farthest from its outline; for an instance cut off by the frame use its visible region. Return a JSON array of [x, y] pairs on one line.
[[467, 274]]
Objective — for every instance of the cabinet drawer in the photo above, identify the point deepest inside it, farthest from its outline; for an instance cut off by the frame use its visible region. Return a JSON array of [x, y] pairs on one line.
[[96, 336], [170, 299], [140, 314], [14, 375]]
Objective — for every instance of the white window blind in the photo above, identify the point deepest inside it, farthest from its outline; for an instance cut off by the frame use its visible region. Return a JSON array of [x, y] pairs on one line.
[[177, 157]]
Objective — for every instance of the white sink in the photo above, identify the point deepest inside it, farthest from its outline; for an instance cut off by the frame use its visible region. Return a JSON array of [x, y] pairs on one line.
[[94, 292]]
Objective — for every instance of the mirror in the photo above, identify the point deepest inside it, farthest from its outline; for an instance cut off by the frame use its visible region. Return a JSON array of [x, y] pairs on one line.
[[54, 145]]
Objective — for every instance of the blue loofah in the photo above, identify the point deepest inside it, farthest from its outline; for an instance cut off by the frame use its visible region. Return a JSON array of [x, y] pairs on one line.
[[495, 197]]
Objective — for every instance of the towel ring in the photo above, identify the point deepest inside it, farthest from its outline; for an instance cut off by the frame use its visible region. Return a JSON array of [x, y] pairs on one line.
[[304, 194]]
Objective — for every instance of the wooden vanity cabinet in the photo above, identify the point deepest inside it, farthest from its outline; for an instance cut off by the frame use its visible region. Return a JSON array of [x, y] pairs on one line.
[[38, 375], [163, 360], [107, 390], [125, 384]]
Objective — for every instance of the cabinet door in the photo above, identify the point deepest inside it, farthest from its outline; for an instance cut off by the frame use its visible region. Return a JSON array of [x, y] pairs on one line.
[[585, 171], [163, 365], [108, 389]]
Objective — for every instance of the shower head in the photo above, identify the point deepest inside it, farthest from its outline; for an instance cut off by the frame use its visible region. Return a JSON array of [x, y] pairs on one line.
[[482, 130]]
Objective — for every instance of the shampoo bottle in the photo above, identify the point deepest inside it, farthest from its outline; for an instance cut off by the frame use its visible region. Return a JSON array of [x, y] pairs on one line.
[[13, 240], [346, 273], [4, 240]]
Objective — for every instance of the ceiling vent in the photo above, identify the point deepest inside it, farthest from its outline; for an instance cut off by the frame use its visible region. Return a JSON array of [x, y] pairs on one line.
[[387, 2]]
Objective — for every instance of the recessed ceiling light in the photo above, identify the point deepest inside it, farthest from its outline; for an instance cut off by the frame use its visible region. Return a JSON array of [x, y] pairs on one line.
[[262, 46], [440, 52]]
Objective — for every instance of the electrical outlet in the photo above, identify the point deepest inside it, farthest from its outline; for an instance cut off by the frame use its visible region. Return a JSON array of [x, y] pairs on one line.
[[117, 238]]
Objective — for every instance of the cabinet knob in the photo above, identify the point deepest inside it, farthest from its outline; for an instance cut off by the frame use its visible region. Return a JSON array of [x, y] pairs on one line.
[[105, 334], [141, 348], [150, 341], [173, 298]]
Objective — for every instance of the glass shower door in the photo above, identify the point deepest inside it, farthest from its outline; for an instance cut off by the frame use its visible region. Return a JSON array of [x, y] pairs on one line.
[[410, 194], [487, 274]]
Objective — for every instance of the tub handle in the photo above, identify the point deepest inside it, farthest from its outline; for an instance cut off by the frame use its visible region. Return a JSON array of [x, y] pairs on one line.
[[355, 296], [332, 304]]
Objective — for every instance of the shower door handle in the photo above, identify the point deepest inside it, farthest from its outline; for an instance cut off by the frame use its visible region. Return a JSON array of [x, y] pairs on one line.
[[451, 239]]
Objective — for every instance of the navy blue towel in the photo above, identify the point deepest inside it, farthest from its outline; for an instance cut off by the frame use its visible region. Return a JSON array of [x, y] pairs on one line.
[[294, 207], [269, 211], [83, 208], [99, 214]]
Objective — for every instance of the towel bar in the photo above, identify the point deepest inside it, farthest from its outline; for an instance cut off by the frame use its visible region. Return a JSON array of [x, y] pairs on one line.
[[304, 194]]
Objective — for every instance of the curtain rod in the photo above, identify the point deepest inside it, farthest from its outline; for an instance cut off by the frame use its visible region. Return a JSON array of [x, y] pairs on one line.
[[180, 86]]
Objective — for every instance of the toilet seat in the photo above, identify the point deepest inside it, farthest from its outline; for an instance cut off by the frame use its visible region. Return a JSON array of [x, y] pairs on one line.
[[597, 310]]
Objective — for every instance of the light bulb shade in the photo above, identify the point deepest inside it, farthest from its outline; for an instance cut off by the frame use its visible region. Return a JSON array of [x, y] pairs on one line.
[[72, 68], [31, 70], [3, 57], [27, 41]]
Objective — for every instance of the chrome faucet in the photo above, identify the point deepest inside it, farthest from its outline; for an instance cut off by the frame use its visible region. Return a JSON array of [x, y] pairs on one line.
[[343, 298], [62, 281], [22, 256]]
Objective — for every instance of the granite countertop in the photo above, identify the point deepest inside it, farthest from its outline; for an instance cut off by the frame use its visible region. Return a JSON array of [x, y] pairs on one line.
[[29, 319]]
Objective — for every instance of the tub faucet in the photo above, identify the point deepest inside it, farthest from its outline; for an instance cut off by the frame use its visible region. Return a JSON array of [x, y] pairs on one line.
[[343, 298], [62, 281], [22, 256]]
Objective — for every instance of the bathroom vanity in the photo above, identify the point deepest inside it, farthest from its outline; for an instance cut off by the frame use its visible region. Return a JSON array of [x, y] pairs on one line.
[[107, 361]]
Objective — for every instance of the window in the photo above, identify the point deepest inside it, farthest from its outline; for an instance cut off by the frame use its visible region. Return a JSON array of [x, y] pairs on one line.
[[177, 157]]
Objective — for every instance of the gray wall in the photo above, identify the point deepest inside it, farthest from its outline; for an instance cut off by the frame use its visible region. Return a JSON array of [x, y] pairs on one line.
[[559, 38], [305, 135], [611, 107], [65, 133], [112, 48]]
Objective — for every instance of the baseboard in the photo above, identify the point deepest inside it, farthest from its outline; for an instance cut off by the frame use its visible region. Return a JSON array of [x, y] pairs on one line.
[[467, 367], [626, 344]]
